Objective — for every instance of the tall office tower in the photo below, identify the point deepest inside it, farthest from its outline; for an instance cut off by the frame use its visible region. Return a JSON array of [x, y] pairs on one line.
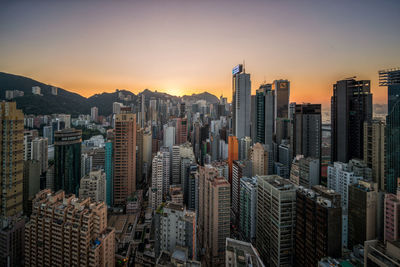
[[67, 160], [160, 180], [177, 228], [374, 150], [282, 95], [48, 133], [11, 158], [253, 114], [214, 217], [124, 157], [233, 153], [240, 168], [40, 152], [351, 106], [181, 130], [239, 253], [12, 241], [108, 168], [191, 195], [182, 110], [244, 147], [305, 171], [176, 165], [31, 184], [318, 227], [68, 231], [93, 185], [248, 205], [262, 160], [139, 157], [363, 202], [94, 114], [241, 101], [392, 216], [169, 136], [307, 130], [260, 114], [391, 79], [340, 177], [276, 219]]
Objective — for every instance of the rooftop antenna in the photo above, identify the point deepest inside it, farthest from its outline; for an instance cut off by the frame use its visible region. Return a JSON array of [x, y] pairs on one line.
[[244, 67]]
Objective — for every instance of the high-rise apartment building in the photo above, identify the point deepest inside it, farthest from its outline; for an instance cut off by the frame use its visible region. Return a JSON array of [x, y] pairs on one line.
[[262, 160], [340, 177], [244, 147], [93, 185], [67, 231], [48, 133], [276, 219], [177, 228], [318, 226], [124, 156], [181, 130], [94, 114], [392, 216], [67, 160], [176, 165], [248, 205], [31, 184], [160, 180], [214, 216], [139, 157], [363, 202], [12, 241], [12, 156], [241, 101], [351, 106], [307, 130], [40, 152], [391, 79], [374, 150]]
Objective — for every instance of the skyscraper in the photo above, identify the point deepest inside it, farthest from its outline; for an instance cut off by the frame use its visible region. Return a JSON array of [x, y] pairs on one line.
[[264, 110], [262, 161], [374, 150], [67, 160], [108, 168], [391, 79], [241, 102], [248, 208], [282, 95], [307, 130], [124, 156], [351, 106], [392, 216], [318, 226], [160, 180], [363, 200], [233, 153], [40, 152], [276, 217], [12, 165], [94, 114], [214, 216]]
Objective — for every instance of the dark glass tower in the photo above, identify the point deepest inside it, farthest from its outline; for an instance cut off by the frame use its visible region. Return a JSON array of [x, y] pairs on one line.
[[391, 79], [351, 106], [67, 160]]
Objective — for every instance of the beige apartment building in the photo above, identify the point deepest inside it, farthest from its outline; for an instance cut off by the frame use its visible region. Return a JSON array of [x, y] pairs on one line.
[[67, 231]]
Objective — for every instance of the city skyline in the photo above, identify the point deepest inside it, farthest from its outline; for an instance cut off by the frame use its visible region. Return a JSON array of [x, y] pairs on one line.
[[184, 48]]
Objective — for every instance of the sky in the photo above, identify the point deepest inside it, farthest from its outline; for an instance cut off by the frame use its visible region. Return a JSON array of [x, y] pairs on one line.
[[184, 47]]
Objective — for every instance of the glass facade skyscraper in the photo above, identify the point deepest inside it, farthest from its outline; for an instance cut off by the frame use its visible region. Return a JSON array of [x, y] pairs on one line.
[[391, 79]]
